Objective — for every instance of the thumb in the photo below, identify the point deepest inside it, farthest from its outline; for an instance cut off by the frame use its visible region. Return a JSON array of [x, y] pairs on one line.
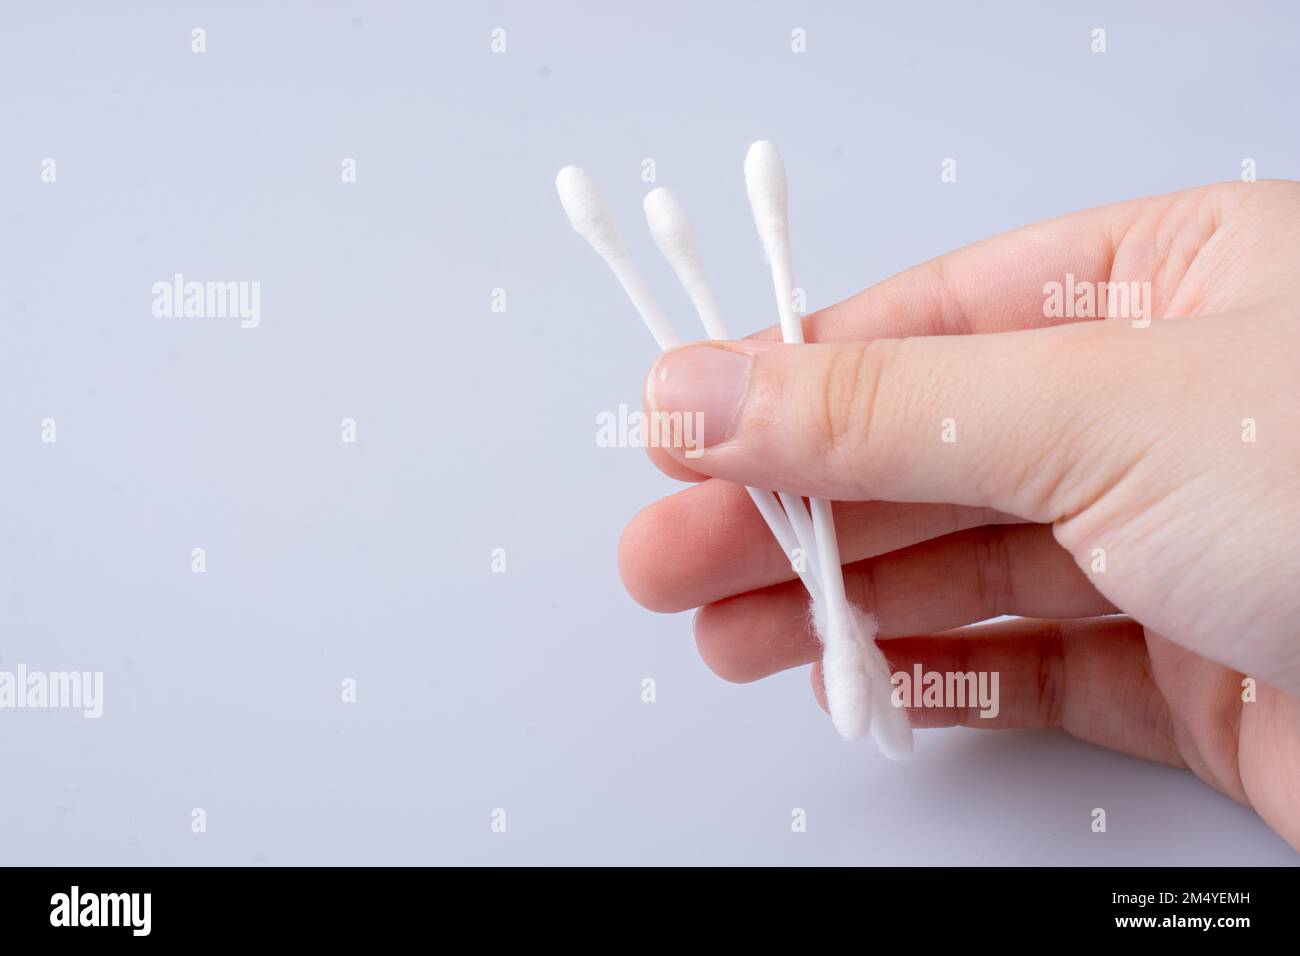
[[1038, 423]]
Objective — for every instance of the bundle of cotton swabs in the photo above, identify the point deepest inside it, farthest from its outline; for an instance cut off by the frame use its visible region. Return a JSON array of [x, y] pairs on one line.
[[856, 675]]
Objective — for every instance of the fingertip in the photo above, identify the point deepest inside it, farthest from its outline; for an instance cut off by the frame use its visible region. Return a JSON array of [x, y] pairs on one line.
[[640, 562], [714, 626], [818, 680], [667, 459], [662, 459], [676, 553]]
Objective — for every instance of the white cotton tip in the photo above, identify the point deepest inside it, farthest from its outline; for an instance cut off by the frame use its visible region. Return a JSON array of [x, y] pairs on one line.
[[859, 692], [770, 201], [592, 220], [891, 728], [768, 196], [587, 212], [848, 689], [670, 227], [675, 238]]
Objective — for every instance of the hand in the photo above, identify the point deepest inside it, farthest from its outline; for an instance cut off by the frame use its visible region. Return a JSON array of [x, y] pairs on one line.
[[990, 460]]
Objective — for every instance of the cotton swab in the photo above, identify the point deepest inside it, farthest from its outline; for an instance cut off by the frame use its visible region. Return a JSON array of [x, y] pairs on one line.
[[855, 672], [765, 183], [769, 199], [852, 662], [591, 219], [675, 238]]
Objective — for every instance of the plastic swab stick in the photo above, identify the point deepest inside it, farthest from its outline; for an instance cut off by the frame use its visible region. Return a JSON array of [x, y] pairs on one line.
[[675, 238], [591, 219], [803, 529], [855, 672]]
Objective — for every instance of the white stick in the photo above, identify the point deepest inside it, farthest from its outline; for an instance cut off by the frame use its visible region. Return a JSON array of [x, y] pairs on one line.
[[779, 523], [803, 529], [852, 664], [675, 238], [591, 219]]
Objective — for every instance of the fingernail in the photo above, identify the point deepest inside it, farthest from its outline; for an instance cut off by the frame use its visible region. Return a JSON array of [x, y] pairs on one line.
[[705, 382]]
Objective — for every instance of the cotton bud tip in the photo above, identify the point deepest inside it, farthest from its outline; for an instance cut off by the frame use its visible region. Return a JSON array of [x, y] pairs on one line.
[[768, 195], [587, 211]]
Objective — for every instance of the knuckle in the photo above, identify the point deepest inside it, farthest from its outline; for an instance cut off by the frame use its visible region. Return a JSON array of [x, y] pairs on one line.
[[1049, 677], [993, 576], [846, 408]]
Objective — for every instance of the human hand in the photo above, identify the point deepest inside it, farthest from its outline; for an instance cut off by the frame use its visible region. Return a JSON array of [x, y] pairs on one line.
[[989, 460]]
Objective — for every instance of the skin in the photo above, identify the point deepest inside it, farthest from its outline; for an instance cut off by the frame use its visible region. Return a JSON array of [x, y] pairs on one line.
[[1072, 435]]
